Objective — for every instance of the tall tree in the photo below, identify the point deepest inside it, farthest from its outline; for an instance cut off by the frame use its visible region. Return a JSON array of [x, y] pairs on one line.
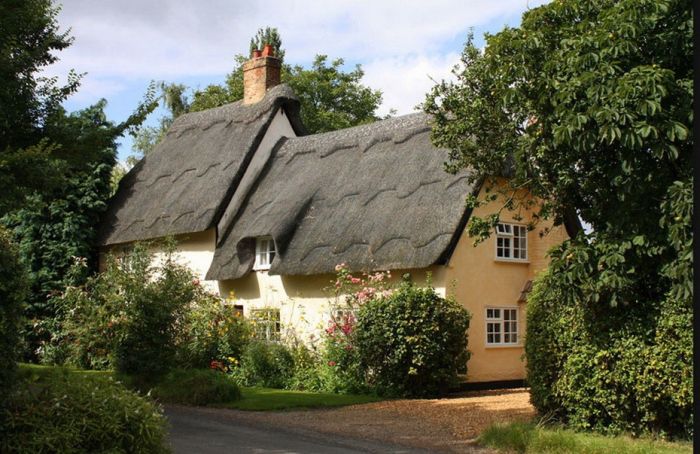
[[588, 104], [55, 167]]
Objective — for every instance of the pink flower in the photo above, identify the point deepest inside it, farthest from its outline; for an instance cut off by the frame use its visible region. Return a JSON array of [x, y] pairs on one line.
[[195, 282], [355, 280], [332, 363]]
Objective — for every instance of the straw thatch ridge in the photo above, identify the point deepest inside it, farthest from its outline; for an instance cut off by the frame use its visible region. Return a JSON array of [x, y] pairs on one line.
[[186, 182], [373, 196]]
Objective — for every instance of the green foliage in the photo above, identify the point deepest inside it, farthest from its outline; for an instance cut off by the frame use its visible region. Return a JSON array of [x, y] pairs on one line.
[[196, 387], [588, 104], [268, 35], [412, 343], [58, 411], [211, 331], [609, 352], [340, 369], [13, 291], [267, 364], [525, 437], [141, 318], [306, 375], [330, 97], [55, 167]]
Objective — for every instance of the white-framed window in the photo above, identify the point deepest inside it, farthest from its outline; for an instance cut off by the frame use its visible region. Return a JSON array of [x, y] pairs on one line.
[[266, 323], [511, 242], [264, 253], [502, 326]]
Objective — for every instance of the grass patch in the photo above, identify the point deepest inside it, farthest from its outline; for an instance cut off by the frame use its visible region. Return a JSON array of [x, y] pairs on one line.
[[264, 399], [528, 438]]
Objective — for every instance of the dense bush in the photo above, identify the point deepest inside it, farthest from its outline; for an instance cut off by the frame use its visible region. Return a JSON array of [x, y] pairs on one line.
[[58, 411], [616, 367], [143, 316], [339, 369], [13, 291], [196, 387], [210, 331], [413, 342], [268, 364]]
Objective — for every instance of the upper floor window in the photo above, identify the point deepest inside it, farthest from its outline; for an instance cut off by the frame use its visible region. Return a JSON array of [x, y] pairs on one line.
[[264, 253], [511, 241]]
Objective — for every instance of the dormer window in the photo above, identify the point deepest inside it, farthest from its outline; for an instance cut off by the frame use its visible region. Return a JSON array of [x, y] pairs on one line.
[[511, 242], [264, 253]]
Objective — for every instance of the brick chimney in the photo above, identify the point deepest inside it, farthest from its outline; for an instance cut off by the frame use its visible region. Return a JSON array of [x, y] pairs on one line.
[[260, 73]]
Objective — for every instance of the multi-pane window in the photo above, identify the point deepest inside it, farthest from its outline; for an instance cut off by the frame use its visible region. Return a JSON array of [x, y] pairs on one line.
[[266, 323], [264, 253], [511, 241], [501, 326]]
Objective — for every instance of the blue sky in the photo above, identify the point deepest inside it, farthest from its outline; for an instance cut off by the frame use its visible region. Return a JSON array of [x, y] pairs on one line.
[[401, 45]]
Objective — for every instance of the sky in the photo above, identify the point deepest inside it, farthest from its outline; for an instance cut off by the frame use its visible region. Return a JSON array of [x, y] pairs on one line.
[[403, 46]]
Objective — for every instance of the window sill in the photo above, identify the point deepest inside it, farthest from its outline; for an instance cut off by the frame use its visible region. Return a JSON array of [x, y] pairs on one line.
[[525, 262], [504, 345]]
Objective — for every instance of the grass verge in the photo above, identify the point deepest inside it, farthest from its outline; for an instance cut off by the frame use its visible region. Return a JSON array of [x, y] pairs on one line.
[[265, 399], [529, 438]]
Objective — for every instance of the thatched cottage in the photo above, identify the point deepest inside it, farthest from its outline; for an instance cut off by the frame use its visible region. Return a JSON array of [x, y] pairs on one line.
[[265, 213]]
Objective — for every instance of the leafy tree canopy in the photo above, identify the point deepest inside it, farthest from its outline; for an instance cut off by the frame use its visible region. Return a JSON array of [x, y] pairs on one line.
[[55, 166], [588, 104]]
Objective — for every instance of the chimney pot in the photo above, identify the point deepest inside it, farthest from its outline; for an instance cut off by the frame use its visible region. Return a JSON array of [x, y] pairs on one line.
[[268, 51], [260, 73]]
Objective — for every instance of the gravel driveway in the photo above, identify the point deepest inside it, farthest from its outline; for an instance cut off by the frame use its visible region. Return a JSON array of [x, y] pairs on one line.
[[447, 425]]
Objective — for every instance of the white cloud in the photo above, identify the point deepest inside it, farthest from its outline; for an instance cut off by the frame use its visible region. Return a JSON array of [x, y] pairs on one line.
[[165, 39], [405, 80]]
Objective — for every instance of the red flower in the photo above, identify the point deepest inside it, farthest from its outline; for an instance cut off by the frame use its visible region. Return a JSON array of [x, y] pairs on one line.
[[332, 363]]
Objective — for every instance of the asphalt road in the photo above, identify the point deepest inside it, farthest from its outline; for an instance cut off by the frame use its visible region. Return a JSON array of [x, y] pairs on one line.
[[194, 431]]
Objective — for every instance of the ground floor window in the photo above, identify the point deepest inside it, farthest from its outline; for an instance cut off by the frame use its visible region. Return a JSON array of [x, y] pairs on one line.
[[501, 326], [266, 323]]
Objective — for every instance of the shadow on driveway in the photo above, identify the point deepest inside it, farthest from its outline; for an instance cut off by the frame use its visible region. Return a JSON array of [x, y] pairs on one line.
[[202, 431]]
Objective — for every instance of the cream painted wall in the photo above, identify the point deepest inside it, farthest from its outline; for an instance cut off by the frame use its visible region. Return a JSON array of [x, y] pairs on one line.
[[477, 280], [305, 308], [195, 250]]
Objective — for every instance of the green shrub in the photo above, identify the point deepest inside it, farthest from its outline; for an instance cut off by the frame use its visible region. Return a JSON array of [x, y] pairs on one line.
[[340, 370], [413, 342], [211, 331], [306, 376], [267, 364], [59, 411], [196, 387], [142, 317], [612, 369], [13, 291]]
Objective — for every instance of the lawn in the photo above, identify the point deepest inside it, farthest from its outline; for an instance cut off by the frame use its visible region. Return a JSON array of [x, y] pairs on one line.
[[529, 438], [280, 399]]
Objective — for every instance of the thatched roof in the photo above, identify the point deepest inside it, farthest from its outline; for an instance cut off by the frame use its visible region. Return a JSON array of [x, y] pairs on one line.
[[375, 197], [186, 182]]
